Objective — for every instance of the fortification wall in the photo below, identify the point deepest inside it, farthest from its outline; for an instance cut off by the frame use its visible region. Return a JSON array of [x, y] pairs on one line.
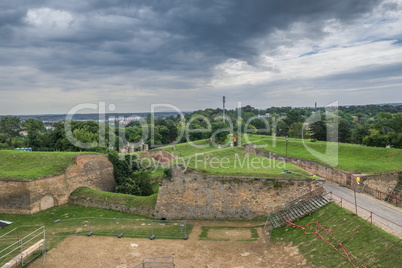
[[384, 182], [378, 184], [195, 196], [20, 196]]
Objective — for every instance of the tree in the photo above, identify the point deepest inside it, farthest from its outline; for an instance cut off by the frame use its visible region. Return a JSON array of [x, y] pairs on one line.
[[35, 129], [137, 184], [319, 130], [123, 167], [396, 123], [344, 131], [395, 140], [296, 130], [10, 126], [376, 139], [220, 132], [164, 133], [359, 133]]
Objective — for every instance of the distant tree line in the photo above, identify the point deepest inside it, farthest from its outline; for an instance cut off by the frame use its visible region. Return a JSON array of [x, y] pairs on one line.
[[370, 125]]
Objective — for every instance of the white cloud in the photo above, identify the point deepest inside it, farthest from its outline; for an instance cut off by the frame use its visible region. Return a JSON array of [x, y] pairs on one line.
[[296, 53], [49, 18]]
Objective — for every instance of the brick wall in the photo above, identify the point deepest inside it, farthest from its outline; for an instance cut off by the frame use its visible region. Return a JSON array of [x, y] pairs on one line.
[[195, 196], [20, 196]]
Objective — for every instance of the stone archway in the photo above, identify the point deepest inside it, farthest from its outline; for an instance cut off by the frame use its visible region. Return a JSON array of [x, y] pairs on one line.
[[47, 202]]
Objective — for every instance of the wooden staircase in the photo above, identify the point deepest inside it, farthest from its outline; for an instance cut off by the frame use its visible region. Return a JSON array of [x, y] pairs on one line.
[[297, 209]]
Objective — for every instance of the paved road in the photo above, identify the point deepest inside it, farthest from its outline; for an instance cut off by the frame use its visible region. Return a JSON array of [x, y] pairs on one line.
[[378, 207]]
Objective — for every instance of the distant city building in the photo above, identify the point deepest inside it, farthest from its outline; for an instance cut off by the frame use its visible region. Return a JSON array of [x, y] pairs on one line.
[[264, 115]]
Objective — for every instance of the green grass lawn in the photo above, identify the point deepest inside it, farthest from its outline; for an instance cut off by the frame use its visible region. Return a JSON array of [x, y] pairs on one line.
[[32, 165], [366, 243], [190, 148], [77, 219], [117, 198], [238, 162], [352, 157]]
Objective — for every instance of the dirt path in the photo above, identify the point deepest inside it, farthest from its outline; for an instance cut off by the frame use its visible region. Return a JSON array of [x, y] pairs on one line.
[[82, 251]]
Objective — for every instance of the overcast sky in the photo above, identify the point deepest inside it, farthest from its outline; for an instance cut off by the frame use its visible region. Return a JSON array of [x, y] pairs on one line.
[[55, 55]]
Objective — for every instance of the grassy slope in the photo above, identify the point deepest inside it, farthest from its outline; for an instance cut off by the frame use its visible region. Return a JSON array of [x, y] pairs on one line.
[[229, 161], [352, 157], [116, 198], [32, 165], [237, 162], [366, 243], [190, 148]]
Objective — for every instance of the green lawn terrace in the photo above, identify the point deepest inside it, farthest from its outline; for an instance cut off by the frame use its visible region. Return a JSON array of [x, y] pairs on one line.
[[351, 157], [22, 165], [191, 148], [230, 161]]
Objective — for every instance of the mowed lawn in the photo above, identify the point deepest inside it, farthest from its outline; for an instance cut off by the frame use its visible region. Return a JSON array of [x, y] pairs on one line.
[[237, 162], [24, 165], [190, 148], [351, 157]]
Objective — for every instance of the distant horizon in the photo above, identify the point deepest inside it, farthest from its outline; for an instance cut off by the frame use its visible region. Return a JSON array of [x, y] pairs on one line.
[[190, 111]]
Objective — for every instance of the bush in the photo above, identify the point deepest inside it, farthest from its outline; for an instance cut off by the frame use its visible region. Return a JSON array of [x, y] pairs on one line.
[[123, 166], [167, 172], [137, 184]]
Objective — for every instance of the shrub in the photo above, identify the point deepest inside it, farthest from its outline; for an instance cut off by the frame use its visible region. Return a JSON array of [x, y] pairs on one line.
[[137, 184]]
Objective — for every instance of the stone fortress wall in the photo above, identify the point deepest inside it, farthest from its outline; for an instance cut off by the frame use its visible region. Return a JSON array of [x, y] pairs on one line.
[[192, 195], [31, 196]]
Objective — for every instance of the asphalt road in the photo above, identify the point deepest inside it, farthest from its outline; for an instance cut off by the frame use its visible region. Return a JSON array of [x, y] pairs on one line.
[[378, 207]]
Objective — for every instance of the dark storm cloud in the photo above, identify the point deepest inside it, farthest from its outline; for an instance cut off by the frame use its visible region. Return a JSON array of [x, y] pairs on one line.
[[368, 73], [165, 34], [189, 50]]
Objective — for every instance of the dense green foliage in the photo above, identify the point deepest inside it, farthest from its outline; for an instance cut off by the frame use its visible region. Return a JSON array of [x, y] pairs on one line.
[[130, 177], [366, 242], [32, 165], [351, 157], [136, 184], [123, 165]]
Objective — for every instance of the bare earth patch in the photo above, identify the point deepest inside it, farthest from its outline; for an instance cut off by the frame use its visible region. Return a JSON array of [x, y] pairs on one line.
[[96, 251], [232, 235]]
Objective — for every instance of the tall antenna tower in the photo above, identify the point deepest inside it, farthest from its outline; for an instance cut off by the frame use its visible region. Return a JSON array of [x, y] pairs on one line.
[[223, 108]]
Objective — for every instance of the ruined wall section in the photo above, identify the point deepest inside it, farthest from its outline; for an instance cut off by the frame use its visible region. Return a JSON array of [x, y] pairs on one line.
[[20, 196], [161, 156]]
